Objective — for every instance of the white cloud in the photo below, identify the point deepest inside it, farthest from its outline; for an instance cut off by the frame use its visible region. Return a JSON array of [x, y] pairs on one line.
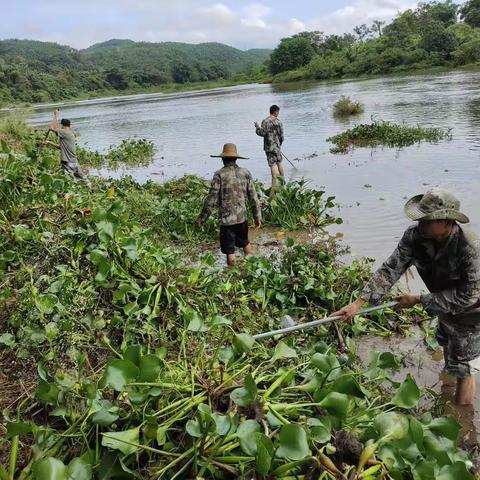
[[244, 24]]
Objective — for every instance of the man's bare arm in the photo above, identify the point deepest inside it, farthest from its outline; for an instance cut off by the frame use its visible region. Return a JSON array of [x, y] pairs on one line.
[[54, 123]]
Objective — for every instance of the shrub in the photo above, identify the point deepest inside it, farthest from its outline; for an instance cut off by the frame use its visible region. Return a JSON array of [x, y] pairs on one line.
[[345, 106]]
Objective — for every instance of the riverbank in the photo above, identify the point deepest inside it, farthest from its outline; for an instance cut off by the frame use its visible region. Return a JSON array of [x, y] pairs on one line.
[[146, 361]]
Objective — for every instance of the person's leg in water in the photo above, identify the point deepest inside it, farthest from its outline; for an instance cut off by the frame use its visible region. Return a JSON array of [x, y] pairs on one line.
[[281, 170], [231, 259], [247, 249], [465, 392]]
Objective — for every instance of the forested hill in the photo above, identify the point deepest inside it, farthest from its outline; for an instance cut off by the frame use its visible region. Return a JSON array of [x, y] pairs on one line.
[[32, 71]]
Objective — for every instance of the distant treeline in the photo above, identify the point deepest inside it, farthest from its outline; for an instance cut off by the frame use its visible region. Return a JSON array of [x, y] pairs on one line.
[[32, 71], [433, 34]]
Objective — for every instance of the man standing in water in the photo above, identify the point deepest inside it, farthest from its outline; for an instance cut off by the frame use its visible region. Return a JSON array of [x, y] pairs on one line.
[[66, 145], [231, 189], [272, 132], [447, 258]]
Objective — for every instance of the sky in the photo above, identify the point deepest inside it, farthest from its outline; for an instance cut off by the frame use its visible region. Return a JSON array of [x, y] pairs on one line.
[[242, 24]]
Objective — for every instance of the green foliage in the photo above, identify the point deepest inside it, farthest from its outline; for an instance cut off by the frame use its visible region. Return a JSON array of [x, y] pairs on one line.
[[470, 13], [33, 71], [385, 133], [429, 35], [145, 367], [130, 152], [290, 54], [345, 107]]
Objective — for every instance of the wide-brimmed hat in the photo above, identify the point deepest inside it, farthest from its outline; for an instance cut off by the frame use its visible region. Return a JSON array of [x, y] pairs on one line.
[[436, 204], [229, 151]]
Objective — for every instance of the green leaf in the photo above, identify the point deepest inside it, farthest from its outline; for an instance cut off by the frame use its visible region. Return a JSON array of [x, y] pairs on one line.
[[336, 404], [446, 427], [46, 303], [263, 459], [246, 395], [226, 355], [47, 392], [224, 424], [246, 436], [117, 440], [150, 366], [49, 469], [7, 339], [79, 469], [112, 469], [22, 233], [105, 230], [118, 373], [407, 395], [320, 429], [348, 384], [133, 353], [393, 425], [293, 444], [194, 428], [282, 350], [196, 322], [243, 343], [327, 364], [51, 330], [18, 428], [456, 471], [104, 418]]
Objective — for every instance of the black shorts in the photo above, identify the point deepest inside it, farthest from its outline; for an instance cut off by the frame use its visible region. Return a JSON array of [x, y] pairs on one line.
[[232, 236]]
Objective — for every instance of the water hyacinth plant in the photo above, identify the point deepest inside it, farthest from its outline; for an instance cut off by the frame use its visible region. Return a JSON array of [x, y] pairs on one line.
[[385, 133], [130, 152]]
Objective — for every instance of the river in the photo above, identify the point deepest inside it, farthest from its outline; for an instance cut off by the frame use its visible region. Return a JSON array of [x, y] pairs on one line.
[[370, 186]]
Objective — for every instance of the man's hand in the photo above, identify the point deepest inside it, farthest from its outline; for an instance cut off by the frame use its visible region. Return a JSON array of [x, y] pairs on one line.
[[258, 224], [349, 311], [198, 221], [407, 301]]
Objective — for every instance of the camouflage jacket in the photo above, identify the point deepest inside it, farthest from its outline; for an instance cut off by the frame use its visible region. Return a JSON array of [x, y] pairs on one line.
[[451, 273], [272, 132], [231, 188]]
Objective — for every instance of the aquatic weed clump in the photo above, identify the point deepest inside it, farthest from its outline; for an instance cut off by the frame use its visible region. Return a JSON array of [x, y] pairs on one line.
[[130, 152], [346, 107], [385, 133], [146, 364]]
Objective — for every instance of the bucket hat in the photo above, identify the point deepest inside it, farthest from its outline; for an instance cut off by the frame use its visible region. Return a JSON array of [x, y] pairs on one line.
[[436, 204]]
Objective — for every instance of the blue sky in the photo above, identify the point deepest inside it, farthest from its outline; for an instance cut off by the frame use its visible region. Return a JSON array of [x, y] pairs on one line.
[[243, 24]]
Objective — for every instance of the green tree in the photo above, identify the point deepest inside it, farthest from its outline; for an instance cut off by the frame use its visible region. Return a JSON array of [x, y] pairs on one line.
[[291, 53], [436, 38], [470, 13], [444, 12]]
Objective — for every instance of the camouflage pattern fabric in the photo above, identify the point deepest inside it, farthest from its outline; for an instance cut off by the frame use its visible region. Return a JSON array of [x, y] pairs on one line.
[[273, 158], [231, 189], [272, 132], [451, 273], [462, 344]]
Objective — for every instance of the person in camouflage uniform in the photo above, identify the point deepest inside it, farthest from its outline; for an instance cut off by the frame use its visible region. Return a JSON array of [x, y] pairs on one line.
[[447, 258], [231, 189], [272, 132], [66, 145]]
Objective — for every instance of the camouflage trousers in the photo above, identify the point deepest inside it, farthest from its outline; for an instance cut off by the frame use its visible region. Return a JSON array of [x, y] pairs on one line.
[[462, 346], [273, 158], [73, 169]]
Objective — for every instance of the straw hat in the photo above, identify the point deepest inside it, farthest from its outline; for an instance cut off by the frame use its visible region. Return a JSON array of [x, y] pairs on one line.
[[436, 204], [229, 151]]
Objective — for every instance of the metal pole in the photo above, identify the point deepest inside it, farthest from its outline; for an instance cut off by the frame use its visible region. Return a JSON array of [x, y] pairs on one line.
[[315, 323], [285, 157]]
